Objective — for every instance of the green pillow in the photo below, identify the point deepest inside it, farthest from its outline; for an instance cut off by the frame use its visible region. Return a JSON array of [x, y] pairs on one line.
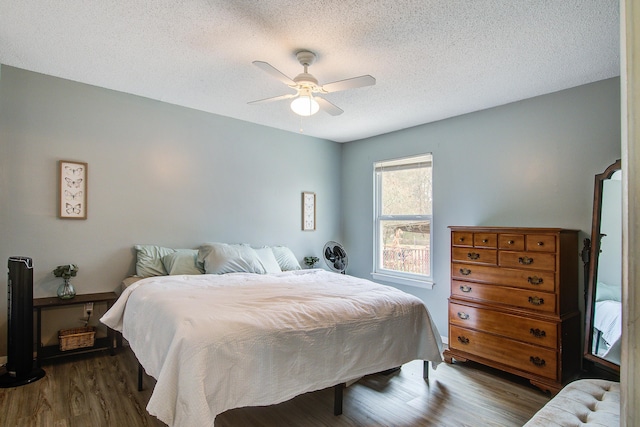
[[182, 261], [149, 260], [221, 258], [604, 292]]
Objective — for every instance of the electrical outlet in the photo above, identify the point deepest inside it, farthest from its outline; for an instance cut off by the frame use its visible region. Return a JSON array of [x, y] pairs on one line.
[[88, 307]]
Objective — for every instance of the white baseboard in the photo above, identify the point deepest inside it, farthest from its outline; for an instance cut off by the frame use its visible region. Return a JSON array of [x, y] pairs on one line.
[[445, 340]]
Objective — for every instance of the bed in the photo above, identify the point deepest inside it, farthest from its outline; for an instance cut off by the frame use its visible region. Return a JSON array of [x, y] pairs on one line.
[[607, 322], [214, 342]]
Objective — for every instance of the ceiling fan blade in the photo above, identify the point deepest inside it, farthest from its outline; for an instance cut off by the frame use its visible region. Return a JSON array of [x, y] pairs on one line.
[[352, 83], [275, 98], [328, 107], [274, 72]]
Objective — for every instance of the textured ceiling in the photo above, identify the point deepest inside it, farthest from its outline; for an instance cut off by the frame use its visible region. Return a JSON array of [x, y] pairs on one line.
[[432, 59]]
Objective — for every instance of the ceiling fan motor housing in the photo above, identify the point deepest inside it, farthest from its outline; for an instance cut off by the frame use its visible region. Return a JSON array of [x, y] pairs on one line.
[[306, 79], [306, 58]]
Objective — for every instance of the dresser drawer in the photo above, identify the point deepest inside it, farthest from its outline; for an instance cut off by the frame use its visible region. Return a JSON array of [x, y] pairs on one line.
[[512, 242], [520, 328], [462, 238], [530, 300], [537, 261], [530, 358], [541, 243], [475, 255], [485, 240], [537, 280]]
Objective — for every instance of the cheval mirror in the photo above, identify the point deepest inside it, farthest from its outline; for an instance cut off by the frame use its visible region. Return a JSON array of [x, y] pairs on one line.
[[603, 308]]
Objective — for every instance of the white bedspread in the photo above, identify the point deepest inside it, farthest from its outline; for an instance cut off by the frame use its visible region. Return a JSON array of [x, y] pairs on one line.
[[608, 320], [217, 342]]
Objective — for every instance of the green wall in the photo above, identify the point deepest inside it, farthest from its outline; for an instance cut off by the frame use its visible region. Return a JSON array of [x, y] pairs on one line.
[[529, 163], [168, 175], [158, 174]]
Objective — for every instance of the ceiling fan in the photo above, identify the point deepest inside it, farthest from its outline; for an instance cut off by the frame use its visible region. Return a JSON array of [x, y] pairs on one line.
[[305, 100]]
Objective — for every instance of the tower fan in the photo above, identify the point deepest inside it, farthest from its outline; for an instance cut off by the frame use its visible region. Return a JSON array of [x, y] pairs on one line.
[[20, 367]]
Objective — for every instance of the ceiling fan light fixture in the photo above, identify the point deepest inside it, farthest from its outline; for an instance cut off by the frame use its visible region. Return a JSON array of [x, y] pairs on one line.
[[305, 105], [306, 85]]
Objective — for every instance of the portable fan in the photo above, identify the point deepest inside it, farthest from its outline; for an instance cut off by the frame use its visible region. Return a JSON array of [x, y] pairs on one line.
[[335, 256]]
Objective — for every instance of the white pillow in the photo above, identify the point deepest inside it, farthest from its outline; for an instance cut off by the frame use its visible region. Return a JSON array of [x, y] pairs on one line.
[[285, 258], [221, 258], [268, 260]]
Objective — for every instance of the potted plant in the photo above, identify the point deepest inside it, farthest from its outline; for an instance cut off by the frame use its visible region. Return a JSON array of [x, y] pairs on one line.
[[310, 261], [66, 290]]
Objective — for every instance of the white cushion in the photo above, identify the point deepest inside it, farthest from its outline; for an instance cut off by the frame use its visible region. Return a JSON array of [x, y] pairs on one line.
[[285, 258], [588, 402], [268, 260]]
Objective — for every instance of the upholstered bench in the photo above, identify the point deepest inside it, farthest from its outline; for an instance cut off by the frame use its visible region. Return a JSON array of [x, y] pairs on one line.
[[589, 402]]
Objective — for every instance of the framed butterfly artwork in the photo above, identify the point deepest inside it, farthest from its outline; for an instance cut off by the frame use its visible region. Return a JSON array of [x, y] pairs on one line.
[[73, 190], [308, 211]]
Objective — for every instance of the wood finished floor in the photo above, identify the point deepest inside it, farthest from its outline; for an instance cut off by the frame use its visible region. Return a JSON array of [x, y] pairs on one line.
[[102, 391]]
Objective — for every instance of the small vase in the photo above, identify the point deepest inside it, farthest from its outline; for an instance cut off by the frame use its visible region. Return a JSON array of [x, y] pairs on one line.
[[66, 290]]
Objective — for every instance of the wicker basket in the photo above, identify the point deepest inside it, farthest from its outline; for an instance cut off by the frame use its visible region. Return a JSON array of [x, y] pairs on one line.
[[71, 339]]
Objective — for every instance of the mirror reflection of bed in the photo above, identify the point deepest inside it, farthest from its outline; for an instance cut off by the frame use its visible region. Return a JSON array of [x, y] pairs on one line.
[[607, 323], [604, 307]]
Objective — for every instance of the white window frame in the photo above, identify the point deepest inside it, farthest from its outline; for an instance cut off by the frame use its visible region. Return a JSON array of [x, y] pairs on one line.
[[392, 276]]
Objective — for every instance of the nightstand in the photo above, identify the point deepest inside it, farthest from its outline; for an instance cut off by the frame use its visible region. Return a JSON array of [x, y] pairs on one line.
[[110, 342]]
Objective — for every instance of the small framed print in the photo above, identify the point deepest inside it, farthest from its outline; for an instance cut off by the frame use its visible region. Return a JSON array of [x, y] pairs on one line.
[[73, 190], [308, 211]]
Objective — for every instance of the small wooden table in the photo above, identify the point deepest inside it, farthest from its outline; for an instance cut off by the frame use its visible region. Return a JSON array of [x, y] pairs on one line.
[[53, 351]]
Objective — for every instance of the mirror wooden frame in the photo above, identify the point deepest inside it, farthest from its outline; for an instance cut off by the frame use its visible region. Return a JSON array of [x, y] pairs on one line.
[[593, 266]]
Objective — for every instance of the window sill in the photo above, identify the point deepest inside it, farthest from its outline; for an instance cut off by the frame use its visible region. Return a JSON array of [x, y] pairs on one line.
[[403, 280]]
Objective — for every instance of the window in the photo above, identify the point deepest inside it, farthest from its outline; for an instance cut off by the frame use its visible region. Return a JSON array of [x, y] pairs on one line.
[[403, 214]]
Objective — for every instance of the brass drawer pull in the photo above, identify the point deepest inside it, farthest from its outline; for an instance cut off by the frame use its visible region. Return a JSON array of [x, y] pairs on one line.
[[465, 288], [473, 255], [525, 260], [540, 243], [537, 333], [463, 340], [510, 242], [463, 315], [485, 240], [535, 280], [465, 271], [537, 361], [461, 239], [536, 300]]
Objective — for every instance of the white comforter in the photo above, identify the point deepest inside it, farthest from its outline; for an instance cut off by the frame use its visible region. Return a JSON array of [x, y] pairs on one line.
[[219, 342], [608, 320]]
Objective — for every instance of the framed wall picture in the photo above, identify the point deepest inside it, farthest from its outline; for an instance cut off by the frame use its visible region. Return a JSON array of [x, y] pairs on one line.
[[73, 190], [308, 211]]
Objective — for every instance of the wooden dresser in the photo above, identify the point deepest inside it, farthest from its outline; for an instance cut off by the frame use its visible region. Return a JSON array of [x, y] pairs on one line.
[[514, 302]]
